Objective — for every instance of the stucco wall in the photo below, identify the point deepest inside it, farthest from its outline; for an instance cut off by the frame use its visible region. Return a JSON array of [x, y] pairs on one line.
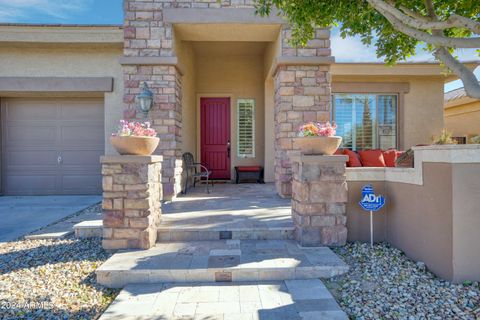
[[422, 112], [463, 120], [186, 59], [234, 76], [70, 61]]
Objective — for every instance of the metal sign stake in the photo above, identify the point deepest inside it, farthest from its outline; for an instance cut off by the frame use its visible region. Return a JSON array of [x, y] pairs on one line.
[[371, 228]]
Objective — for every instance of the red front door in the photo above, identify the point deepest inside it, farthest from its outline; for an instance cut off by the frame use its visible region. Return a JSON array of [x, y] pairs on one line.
[[215, 136]]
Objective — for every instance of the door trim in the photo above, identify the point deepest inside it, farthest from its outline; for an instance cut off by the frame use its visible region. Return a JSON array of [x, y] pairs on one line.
[[198, 150]]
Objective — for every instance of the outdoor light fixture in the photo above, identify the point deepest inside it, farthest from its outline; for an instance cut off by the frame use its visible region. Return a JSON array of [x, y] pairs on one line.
[[145, 99]]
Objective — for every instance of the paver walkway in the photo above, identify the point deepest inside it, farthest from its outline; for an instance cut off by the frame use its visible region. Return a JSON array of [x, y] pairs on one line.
[[221, 260], [280, 300], [228, 206]]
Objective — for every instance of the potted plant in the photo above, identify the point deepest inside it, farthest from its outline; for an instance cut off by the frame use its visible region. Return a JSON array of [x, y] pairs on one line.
[[317, 138], [135, 138]]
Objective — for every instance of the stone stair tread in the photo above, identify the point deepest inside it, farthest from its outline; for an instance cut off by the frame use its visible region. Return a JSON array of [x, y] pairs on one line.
[[290, 299], [220, 260]]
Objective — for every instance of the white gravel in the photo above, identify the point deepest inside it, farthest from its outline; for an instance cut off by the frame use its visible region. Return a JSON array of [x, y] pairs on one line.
[[383, 283], [52, 279]]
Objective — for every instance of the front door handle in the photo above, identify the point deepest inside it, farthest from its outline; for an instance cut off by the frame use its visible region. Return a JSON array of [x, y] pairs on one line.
[[228, 148], [59, 160]]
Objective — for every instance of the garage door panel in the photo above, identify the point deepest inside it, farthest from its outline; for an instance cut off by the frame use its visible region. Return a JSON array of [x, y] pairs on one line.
[[30, 135], [82, 110], [88, 158], [77, 135], [33, 159], [29, 110], [38, 132], [32, 184], [81, 184]]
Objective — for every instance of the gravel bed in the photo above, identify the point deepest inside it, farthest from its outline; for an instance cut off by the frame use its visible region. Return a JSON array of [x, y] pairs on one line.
[[383, 283], [52, 279]]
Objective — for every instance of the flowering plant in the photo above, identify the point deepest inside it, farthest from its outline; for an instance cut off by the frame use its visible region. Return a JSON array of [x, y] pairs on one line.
[[134, 129], [318, 129]]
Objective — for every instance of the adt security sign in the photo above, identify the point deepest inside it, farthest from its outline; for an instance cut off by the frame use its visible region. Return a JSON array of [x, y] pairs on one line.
[[371, 202]]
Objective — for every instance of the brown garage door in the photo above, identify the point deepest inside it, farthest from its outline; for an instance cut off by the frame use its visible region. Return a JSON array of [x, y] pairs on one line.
[[52, 146]]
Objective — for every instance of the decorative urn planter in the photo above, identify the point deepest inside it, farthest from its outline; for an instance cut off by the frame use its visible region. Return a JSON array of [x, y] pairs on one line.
[[132, 145], [317, 145]]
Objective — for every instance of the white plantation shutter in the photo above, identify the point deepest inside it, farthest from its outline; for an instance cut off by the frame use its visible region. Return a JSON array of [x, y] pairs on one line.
[[246, 128]]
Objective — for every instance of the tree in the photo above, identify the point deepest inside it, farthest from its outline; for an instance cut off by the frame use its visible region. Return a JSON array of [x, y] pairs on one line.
[[394, 26]]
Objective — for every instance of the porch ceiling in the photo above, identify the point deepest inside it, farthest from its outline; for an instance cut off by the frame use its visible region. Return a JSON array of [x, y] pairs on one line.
[[229, 48], [227, 32]]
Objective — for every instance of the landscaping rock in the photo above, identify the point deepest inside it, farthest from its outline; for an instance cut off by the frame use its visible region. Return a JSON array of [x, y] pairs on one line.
[[385, 284]]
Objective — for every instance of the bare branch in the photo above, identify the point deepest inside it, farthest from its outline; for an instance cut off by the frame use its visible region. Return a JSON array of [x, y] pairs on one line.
[[454, 21], [470, 82]]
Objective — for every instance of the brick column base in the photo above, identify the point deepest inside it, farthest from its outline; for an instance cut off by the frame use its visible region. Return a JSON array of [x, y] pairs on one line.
[[131, 201], [319, 198]]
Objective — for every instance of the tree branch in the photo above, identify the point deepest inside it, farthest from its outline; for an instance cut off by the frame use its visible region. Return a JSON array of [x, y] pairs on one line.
[[418, 21], [435, 40], [470, 82]]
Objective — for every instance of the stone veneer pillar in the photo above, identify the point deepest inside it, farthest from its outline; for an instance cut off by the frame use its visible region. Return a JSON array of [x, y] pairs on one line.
[[131, 201], [319, 198], [302, 94]]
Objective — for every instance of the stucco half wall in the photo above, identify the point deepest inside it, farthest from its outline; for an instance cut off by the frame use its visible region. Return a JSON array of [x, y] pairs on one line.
[[431, 212]]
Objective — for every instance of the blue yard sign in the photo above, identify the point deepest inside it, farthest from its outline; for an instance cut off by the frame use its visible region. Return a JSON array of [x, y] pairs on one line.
[[371, 202]]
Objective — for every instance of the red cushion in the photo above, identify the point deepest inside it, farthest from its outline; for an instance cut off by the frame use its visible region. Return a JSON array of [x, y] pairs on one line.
[[339, 152], [249, 169], [353, 159], [390, 156], [372, 158]]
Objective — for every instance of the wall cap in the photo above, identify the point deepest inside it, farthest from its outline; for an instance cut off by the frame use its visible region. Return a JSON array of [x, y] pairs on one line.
[[131, 159], [151, 61]]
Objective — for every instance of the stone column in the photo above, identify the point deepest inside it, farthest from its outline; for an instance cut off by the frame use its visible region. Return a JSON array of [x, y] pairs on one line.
[[302, 94], [131, 201], [319, 198], [149, 57]]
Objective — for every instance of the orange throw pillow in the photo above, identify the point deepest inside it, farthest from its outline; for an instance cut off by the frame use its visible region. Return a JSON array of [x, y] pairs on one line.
[[372, 158], [390, 156], [353, 160]]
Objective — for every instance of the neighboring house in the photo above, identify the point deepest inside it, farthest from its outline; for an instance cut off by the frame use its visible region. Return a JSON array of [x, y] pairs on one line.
[[462, 115], [228, 87]]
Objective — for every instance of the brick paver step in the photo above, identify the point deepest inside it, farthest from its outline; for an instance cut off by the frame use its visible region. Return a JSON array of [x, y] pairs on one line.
[[276, 300], [220, 261]]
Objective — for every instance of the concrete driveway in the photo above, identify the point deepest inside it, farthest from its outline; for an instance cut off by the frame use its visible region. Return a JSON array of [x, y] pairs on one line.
[[21, 215]]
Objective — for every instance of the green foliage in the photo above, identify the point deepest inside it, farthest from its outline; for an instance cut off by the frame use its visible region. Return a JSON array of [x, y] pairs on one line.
[[358, 18], [475, 139], [445, 137]]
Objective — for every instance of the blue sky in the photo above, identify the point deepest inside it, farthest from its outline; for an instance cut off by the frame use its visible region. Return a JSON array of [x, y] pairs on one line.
[[111, 12]]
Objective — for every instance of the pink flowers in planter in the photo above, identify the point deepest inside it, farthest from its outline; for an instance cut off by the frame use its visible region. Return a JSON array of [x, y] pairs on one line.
[[135, 129], [318, 129]]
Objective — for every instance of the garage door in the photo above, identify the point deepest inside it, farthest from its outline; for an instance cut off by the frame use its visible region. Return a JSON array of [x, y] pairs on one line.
[[52, 146]]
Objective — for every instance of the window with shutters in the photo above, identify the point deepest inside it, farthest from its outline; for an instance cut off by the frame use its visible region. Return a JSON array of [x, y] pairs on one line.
[[366, 121], [246, 128]]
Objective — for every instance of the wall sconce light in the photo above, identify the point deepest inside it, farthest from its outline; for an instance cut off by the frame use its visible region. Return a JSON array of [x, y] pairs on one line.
[[145, 99]]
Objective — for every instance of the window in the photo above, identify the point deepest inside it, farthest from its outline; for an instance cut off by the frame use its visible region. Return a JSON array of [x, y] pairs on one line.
[[246, 128], [366, 121]]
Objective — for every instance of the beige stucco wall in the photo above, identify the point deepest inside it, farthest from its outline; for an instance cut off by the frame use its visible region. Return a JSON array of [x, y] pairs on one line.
[[463, 119], [186, 59], [70, 60], [235, 76], [422, 114]]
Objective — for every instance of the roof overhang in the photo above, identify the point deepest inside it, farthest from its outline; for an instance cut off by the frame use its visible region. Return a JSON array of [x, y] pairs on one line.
[[18, 35], [413, 69]]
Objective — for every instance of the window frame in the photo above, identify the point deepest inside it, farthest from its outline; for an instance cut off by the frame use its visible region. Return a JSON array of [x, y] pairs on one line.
[[252, 154], [376, 94]]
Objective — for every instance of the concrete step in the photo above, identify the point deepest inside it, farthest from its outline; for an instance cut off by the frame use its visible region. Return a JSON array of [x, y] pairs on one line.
[[89, 229], [168, 234], [291, 299], [220, 261]]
